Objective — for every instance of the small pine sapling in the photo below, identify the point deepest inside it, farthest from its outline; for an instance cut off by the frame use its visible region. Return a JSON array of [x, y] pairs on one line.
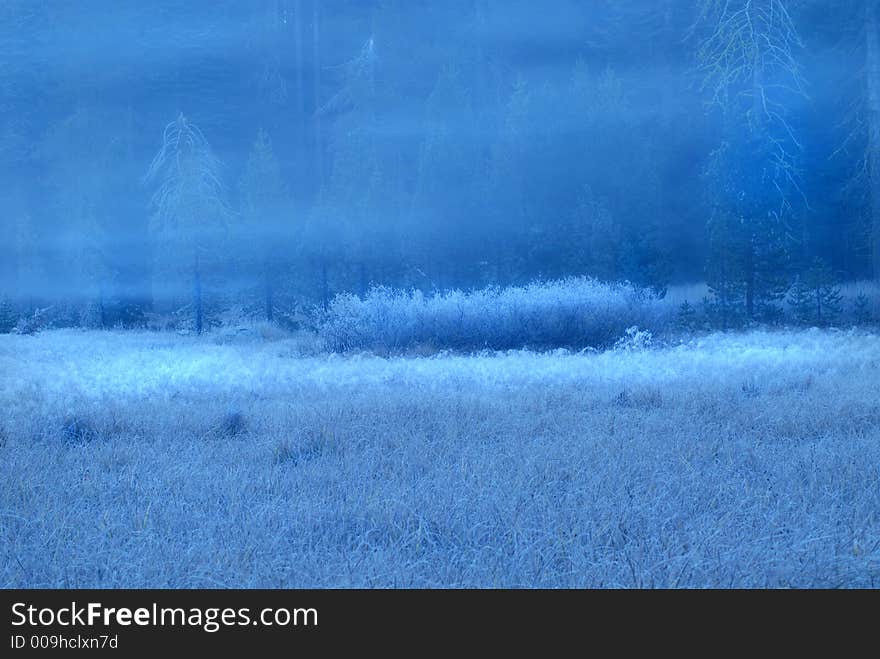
[[687, 317], [862, 309], [816, 297], [826, 293], [800, 301], [8, 317]]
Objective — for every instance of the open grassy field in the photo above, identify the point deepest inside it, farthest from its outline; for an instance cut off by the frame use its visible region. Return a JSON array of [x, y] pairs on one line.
[[138, 459]]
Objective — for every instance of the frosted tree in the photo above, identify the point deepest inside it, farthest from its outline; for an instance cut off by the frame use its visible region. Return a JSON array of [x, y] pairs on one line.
[[747, 56], [748, 51], [748, 59], [189, 211], [859, 22], [724, 271], [872, 87], [608, 224]]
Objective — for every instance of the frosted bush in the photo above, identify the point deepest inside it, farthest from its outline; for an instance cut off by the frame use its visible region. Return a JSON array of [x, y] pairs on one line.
[[634, 339], [33, 323], [574, 313]]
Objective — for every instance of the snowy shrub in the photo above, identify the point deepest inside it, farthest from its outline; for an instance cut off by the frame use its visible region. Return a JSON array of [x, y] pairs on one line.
[[33, 323], [179, 320], [634, 339], [234, 315], [572, 313], [91, 315], [160, 322]]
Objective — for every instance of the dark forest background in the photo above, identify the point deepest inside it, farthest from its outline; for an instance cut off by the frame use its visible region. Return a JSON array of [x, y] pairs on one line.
[[316, 147]]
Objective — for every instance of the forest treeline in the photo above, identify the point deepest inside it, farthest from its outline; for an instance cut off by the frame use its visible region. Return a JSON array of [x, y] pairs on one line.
[[272, 154]]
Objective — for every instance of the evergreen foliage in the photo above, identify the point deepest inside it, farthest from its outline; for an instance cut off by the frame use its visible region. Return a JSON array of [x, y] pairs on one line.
[[687, 317], [815, 296], [8, 317], [862, 309], [265, 231], [404, 158]]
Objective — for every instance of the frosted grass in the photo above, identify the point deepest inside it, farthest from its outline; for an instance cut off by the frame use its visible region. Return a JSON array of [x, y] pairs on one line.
[[728, 460], [98, 364]]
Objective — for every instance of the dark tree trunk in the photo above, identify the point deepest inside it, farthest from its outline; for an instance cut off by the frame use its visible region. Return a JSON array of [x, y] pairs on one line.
[[750, 278], [725, 308], [269, 293], [364, 280], [102, 316], [197, 294]]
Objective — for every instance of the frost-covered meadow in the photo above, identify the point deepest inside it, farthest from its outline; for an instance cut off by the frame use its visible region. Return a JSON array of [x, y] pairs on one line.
[[141, 459]]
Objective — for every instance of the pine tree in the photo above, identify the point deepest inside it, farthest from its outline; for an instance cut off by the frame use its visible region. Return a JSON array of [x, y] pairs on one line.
[[604, 137], [815, 297], [443, 231], [755, 235], [687, 317], [862, 309], [748, 58], [725, 271], [800, 299], [263, 227], [593, 244], [508, 185], [826, 292], [8, 317], [771, 266], [356, 205]]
